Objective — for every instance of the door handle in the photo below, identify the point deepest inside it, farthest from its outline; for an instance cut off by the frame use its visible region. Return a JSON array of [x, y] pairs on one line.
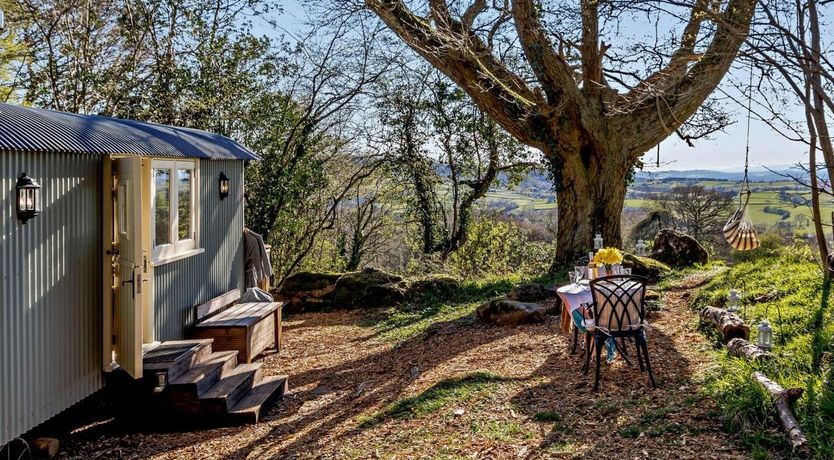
[[132, 281], [136, 281]]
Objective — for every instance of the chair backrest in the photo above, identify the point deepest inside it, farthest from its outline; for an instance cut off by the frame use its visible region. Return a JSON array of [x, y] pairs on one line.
[[618, 302], [217, 304]]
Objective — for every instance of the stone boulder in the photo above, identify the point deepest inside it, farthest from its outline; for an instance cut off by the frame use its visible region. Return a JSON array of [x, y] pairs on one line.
[[442, 285], [532, 292], [677, 249], [506, 312], [368, 288], [307, 291], [652, 269]]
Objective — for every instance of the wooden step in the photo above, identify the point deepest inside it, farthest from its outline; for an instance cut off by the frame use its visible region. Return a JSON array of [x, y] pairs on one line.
[[174, 358], [231, 388], [258, 400], [201, 377]]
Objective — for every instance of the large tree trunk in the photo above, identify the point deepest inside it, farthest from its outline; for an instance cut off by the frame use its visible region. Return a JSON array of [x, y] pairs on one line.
[[590, 198]]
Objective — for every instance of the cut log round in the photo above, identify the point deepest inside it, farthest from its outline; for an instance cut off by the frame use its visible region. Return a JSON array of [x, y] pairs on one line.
[[744, 349], [45, 447], [729, 325], [781, 402]]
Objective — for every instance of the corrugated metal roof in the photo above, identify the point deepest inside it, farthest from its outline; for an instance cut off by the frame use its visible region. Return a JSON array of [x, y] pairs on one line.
[[26, 129]]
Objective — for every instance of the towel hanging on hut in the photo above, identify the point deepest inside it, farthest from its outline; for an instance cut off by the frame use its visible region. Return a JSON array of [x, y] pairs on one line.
[[255, 258]]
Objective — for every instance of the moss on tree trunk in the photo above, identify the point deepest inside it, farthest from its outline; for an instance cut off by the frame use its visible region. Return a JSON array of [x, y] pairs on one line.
[[590, 199]]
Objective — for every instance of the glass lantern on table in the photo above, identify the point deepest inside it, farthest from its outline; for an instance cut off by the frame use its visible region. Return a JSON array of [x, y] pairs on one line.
[[598, 242], [641, 248]]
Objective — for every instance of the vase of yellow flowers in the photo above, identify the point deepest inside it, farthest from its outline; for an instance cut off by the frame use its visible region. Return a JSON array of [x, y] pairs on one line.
[[608, 257]]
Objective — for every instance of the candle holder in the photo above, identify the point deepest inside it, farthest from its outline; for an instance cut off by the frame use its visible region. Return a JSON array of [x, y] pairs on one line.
[[733, 300], [641, 248], [598, 242], [765, 340]]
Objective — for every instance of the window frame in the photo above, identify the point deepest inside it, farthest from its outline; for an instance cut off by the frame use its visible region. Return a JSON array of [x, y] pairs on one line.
[[177, 249]]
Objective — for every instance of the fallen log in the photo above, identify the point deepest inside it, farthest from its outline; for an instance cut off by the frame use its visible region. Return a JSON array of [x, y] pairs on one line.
[[729, 325], [744, 349], [781, 402], [772, 295]]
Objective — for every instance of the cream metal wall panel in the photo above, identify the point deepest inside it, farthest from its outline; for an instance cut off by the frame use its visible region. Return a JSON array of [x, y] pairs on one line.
[[182, 284], [50, 289]]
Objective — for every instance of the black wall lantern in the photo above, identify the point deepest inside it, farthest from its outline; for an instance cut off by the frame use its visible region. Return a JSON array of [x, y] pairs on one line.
[[224, 185], [28, 198]]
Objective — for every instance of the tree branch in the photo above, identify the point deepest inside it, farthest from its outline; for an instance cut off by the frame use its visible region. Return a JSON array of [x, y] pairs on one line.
[[551, 70], [692, 89], [462, 57]]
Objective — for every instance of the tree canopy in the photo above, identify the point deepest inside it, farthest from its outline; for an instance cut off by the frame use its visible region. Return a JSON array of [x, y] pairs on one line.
[[545, 73]]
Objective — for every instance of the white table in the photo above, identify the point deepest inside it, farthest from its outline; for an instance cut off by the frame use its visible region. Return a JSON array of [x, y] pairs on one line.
[[574, 296]]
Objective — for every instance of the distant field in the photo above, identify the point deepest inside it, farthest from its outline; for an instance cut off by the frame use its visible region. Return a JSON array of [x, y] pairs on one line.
[[525, 201]]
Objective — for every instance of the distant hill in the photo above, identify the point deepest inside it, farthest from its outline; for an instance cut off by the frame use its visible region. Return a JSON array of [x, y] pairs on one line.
[[756, 174], [538, 181]]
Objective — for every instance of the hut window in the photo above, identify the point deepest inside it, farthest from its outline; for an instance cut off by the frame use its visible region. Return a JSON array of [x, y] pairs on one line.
[[185, 203], [174, 209], [162, 206]]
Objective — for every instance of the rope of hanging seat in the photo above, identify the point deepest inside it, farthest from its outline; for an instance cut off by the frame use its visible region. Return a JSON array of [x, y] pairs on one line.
[[746, 185]]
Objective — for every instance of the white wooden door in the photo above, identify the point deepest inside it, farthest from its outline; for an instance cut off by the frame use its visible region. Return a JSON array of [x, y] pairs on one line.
[[132, 267]]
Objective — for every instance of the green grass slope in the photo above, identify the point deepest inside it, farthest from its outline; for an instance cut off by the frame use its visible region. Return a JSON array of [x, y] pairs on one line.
[[792, 295]]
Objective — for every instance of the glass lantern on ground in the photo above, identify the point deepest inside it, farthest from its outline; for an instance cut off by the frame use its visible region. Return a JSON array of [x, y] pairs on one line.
[[641, 248], [765, 341], [733, 300], [598, 242]]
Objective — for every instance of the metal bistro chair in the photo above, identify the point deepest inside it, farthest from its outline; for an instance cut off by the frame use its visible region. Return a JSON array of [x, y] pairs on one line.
[[619, 312]]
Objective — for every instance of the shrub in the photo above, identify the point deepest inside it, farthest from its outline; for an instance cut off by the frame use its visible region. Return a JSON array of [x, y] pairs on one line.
[[497, 247], [774, 244]]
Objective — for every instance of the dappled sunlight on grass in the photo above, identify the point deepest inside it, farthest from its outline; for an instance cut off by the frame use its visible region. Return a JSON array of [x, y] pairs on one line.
[[404, 322], [454, 390]]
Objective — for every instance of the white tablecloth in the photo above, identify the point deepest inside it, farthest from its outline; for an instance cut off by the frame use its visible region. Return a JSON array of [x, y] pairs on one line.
[[573, 296]]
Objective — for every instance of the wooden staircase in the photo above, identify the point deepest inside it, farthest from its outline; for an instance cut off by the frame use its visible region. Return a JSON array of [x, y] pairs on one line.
[[187, 380]]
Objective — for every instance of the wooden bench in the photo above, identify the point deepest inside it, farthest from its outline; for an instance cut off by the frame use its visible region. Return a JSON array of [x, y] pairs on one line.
[[248, 328]]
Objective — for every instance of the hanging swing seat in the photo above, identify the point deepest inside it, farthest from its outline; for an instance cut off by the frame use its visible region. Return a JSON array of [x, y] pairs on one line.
[[739, 230]]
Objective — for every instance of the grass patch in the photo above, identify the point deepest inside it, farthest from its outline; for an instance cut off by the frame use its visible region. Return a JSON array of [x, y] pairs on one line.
[[547, 416], [500, 431], [400, 324], [455, 390], [556, 419], [655, 422], [796, 301], [562, 448]]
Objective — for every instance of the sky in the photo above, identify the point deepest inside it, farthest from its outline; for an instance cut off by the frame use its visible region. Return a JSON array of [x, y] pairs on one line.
[[723, 151]]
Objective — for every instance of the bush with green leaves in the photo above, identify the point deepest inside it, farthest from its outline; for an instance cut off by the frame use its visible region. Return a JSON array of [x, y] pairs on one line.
[[500, 247], [770, 244]]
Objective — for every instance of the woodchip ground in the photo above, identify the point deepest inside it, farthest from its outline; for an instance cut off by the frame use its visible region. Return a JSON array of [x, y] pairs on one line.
[[350, 390]]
